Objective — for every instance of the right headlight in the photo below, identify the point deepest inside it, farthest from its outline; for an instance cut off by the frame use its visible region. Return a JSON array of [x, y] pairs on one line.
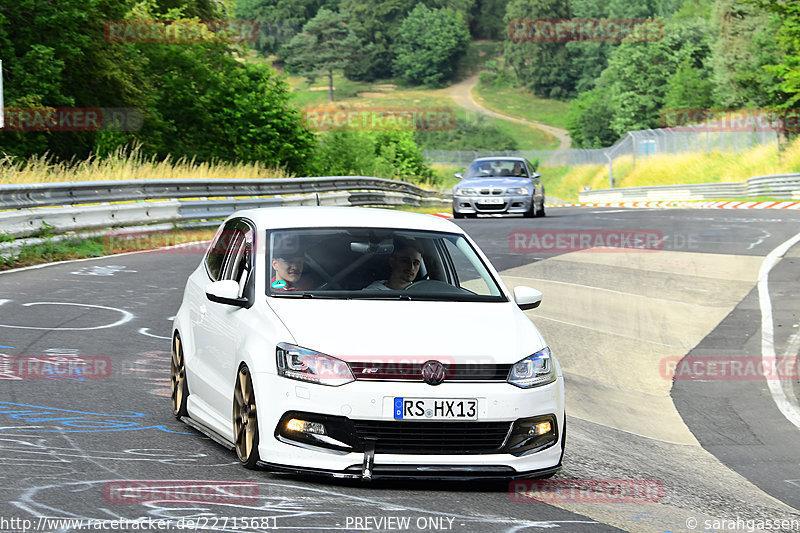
[[307, 365], [464, 191], [533, 371]]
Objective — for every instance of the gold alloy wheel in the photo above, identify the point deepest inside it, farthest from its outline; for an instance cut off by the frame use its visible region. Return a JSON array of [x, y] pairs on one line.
[[180, 390], [245, 419]]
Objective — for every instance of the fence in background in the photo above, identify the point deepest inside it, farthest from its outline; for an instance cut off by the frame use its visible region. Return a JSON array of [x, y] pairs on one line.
[[638, 144]]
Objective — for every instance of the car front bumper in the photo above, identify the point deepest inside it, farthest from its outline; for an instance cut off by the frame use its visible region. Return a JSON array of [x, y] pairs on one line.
[[477, 204], [372, 403]]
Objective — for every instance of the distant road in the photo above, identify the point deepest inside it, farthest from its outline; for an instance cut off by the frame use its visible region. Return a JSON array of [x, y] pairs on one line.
[[462, 94]]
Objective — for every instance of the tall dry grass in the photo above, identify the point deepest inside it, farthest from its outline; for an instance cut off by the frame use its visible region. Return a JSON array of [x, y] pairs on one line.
[[678, 169], [125, 164]]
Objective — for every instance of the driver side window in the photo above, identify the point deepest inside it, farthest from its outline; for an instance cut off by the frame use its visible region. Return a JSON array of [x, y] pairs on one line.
[[230, 256]]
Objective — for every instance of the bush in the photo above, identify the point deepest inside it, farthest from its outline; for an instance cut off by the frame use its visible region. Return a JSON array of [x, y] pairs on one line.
[[430, 43], [475, 134], [384, 154]]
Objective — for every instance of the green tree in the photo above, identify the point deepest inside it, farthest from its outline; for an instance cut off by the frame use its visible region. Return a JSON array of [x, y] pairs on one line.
[[787, 67], [210, 106], [325, 44], [543, 68], [589, 120], [279, 20], [487, 20], [744, 44], [431, 41], [689, 88], [55, 55], [638, 73], [377, 25]]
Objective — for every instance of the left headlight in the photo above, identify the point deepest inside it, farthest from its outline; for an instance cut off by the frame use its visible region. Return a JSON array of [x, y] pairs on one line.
[[464, 191], [533, 371], [520, 190], [307, 365]]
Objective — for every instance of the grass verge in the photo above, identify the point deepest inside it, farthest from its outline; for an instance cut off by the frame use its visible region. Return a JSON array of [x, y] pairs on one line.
[[674, 169], [125, 164], [516, 101], [52, 250]]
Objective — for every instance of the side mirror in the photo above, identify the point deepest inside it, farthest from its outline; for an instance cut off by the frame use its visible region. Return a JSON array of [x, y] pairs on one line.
[[527, 297], [225, 292], [459, 175]]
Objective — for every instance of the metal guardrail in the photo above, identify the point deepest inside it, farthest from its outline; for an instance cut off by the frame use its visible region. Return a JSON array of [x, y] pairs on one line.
[[781, 186], [86, 205]]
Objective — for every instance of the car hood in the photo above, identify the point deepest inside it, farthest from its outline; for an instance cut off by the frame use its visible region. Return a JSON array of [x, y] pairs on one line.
[[494, 182], [475, 332]]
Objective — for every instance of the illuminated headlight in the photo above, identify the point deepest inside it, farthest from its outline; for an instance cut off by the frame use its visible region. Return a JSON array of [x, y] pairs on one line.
[[520, 190], [464, 191], [533, 371], [302, 364]]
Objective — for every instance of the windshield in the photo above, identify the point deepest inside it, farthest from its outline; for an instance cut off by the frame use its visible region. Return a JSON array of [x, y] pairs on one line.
[[374, 263], [497, 168]]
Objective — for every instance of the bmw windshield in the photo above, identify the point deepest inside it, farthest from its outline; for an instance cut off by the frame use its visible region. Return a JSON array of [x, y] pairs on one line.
[[375, 263], [501, 168]]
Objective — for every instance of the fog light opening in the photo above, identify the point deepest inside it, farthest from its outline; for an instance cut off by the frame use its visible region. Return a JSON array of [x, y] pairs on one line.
[[304, 426], [541, 428]]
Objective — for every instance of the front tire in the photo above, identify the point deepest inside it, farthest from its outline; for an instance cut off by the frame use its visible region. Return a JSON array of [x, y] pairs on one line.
[[540, 212], [245, 419], [531, 212], [179, 387]]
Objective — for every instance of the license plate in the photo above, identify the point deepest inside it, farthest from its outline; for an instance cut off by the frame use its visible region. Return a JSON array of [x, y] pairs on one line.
[[435, 409], [492, 201]]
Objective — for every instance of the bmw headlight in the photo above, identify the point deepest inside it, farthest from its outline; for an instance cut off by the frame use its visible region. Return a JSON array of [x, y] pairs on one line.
[[307, 365], [464, 191], [520, 190], [533, 371]]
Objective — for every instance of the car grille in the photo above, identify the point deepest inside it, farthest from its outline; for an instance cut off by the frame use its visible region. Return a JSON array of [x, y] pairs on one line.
[[491, 207], [433, 437], [399, 371], [491, 191]]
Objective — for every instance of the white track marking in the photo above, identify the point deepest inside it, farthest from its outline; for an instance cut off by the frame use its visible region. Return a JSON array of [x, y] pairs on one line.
[[789, 409], [126, 317], [146, 331]]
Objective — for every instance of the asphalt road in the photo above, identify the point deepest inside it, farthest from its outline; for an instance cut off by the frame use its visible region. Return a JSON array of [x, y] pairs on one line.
[[716, 449]]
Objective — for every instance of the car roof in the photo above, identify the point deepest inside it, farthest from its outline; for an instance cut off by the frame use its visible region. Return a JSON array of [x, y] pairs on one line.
[[358, 217], [500, 158]]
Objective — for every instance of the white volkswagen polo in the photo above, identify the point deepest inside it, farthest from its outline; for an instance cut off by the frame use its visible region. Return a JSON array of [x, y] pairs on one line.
[[364, 343]]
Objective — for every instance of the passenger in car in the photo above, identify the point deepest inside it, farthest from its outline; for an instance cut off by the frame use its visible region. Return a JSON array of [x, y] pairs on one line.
[[404, 264], [288, 271]]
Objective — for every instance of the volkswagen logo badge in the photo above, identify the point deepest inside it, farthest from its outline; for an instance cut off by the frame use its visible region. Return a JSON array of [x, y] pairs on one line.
[[433, 372]]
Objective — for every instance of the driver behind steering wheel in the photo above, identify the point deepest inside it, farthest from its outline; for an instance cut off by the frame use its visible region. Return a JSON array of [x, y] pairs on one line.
[[404, 264]]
